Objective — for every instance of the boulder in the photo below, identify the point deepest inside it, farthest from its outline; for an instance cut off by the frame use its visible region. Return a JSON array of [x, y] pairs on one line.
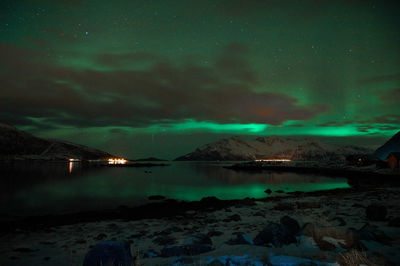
[[164, 240], [308, 205], [193, 245], [275, 234], [325, 245], [284, 207], [113, 253], [395, 222], [376, 212], [350, 237], [290, 225], [150, 254], [235, 217], [241, 239], [339, 221], [100, 236], [372, 233], [214, 233]]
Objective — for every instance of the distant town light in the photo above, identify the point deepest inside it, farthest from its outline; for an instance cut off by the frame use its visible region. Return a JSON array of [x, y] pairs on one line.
[[74, 160], [117, 161], [273, 160]]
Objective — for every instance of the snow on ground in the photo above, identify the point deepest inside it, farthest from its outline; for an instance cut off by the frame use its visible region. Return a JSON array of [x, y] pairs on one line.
[[67, 245]]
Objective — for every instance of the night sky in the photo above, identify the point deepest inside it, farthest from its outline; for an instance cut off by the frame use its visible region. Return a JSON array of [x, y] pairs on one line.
[[159, 78]]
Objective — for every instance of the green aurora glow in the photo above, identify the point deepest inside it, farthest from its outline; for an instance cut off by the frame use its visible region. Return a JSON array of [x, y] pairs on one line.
[[143, 78]]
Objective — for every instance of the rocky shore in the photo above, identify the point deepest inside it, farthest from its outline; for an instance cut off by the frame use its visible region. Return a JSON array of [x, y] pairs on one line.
[[323, 227], [324, 168]]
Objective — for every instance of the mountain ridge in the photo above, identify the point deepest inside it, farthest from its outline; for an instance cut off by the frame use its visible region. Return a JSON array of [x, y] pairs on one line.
[[392, 145], [237, 148], [17, 144]]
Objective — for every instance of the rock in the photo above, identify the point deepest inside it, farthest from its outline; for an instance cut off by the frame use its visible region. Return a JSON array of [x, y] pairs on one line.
[[395, 222], [275, 234], [156, 197], [111, 226], [235, 217], [351, 241], [372, 233], [246, 202], [308, 205], [376, 212], [190, 213], [259, 214], [193, 245], [183, 261], [339, 220], [25, 250], [100, 237], [150, 254], [174, 251], [241, 239], [164, 240], [268, 191], [284, 207], [47, 243], [198, 239], [325, 245], [139, 234], [290, 225], [214, 233], [308, 230], [216, 262], [210, 220], [111, 253]]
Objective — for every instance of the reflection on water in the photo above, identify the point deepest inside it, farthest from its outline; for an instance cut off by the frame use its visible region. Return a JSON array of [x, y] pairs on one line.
[[39, 188]]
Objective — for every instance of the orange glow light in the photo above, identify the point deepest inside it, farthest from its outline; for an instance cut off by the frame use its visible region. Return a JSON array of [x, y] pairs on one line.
[[117, 161], [273, 160]]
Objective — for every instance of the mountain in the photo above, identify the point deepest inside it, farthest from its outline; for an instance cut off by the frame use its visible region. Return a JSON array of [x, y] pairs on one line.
[[18, 144], [392, 145], [236, 148]]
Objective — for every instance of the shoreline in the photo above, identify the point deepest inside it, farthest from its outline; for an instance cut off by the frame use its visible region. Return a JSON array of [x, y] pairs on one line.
[[331, 223], [323, 170], [156, 209]]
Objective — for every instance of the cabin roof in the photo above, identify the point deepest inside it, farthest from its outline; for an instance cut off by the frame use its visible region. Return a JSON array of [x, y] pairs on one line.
[[395, 154]]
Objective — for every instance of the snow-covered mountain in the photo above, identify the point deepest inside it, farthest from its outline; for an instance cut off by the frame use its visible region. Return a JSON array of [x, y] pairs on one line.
[[18, 144], [237, 148], [392, 145]]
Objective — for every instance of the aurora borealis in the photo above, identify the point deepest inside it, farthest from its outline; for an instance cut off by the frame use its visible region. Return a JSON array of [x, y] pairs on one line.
[[142, 78]]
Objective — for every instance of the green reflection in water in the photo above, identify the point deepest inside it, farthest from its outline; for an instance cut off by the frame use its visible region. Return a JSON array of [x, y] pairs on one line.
[[112, 187]]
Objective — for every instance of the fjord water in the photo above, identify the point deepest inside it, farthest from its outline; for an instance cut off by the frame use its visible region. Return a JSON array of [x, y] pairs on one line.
[[49, 188]]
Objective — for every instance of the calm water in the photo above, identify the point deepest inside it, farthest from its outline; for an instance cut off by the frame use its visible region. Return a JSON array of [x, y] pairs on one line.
[[40, 188]]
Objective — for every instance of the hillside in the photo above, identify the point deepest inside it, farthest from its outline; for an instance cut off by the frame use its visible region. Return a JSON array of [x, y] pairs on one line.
[[236, 148], [16, 144], [392, 145]]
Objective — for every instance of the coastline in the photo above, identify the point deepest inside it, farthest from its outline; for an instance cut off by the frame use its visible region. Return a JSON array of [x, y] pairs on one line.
[[154, 228], [339, 170]]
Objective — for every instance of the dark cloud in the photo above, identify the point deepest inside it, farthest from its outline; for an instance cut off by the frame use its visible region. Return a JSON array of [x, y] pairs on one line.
[[221, 92], [127, 58], [381, 123], [380, 78], [64, 3], [390, 96]]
